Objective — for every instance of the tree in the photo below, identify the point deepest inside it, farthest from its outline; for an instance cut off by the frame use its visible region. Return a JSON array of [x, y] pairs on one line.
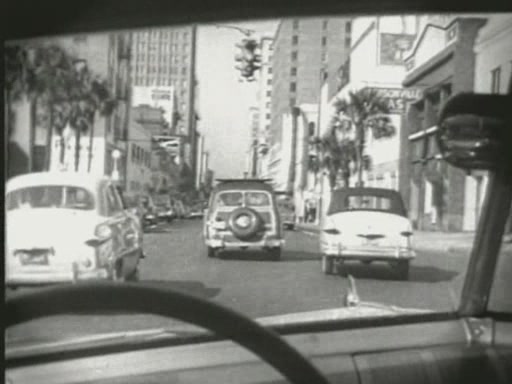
[[366, 110], [65, 93], [336, 157]]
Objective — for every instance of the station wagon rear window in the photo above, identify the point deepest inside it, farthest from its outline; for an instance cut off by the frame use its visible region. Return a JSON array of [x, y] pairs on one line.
[[237, 199], [50, 196]]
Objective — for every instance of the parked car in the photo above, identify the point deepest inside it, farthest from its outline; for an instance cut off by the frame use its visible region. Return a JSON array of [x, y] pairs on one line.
[[179, 208], [106, 241], [367, 225], [197, 211], [286, 211], [149, 212], [242, 215]]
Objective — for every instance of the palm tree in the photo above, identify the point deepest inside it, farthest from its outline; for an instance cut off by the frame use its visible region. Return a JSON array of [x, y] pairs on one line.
[[336, 157], [367, 111]]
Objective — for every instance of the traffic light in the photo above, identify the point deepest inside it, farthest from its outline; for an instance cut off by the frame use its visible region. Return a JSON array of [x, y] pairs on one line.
[[249, 60]]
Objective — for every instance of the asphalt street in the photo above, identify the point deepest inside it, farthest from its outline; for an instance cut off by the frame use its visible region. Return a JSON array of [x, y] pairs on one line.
[[256, 286]]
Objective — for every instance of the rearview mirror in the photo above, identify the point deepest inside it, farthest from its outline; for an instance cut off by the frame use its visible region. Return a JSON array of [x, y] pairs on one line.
[[475, 131]]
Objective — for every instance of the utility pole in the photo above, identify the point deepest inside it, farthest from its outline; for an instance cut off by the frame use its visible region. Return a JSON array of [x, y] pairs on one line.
[[254, 167]]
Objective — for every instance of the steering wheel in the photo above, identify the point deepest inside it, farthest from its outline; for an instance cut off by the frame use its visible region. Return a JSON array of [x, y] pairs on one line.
[[87, 298]]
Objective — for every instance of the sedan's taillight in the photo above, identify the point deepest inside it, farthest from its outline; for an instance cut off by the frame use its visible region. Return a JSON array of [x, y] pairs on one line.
[[332, 231], [406, 233]]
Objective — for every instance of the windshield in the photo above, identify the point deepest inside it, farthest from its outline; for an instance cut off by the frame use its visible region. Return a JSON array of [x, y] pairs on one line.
[[333, 118], [50, 197]]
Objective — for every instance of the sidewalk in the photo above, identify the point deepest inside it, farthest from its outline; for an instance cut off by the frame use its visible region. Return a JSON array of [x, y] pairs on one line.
[[432, 241]]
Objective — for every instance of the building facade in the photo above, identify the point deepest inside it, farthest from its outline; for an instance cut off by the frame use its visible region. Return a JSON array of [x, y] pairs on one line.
[[167, 57], [304, 50], [441, 63]]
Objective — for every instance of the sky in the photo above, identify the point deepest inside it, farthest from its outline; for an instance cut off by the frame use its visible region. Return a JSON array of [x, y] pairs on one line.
[[223, 101]]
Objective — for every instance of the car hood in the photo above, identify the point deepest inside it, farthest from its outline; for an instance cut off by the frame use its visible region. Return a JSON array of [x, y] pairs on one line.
[[21, 348]]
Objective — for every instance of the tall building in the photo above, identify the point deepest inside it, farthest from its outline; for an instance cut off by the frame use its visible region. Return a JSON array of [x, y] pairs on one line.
[[265, 89], [166, 57], [304, 52], [252, 155]]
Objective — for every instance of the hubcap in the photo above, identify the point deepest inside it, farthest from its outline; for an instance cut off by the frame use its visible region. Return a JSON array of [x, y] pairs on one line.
[[243, 221]]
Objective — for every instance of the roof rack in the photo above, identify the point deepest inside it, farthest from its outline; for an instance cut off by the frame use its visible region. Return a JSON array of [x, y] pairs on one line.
[[243, 179]]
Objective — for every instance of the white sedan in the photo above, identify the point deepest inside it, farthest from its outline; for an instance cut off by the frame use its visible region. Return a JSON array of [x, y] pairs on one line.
[[66, 227], [367, 225]]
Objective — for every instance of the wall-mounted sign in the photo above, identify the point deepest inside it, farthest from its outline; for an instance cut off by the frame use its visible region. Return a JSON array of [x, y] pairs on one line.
[[393, 47], [397, 98]]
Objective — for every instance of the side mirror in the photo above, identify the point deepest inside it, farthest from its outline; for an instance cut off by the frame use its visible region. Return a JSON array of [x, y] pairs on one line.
[[475, 131]]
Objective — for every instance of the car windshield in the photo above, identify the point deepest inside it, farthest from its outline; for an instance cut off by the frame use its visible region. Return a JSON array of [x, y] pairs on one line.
[[51, 196], [324, 130]]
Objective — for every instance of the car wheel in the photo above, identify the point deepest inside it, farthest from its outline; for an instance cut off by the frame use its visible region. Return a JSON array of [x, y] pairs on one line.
[[275, 254], [402, 269], [327, 264], [211, 252]]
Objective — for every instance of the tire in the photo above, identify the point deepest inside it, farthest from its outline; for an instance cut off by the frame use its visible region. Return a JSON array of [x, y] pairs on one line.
[[211, 252], [255, 223], [275, 254], [327, 264], [402, 270]]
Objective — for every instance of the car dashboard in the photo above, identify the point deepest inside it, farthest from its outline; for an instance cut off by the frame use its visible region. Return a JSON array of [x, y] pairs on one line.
[[442, 351]]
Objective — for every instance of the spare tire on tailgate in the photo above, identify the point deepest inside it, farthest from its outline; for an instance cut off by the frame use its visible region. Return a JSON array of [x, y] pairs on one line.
[[245, 222]]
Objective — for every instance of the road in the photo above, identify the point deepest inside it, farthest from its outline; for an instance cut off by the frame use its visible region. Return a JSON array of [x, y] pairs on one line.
[[176, 259]]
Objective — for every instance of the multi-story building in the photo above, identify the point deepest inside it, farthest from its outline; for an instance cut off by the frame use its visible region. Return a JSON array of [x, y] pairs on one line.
[[441, 63], [264, 96], [138, 161], [167, 57], [107, 56], [254, 137], [159, 97], [305, 52]]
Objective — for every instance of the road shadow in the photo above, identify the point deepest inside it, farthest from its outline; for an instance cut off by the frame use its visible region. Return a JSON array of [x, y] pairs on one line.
[[244, 255], [300, 256], [418, 274]]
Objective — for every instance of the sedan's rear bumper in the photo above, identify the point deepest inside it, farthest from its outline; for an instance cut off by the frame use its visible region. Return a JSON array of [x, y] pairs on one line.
[[52, 276], [368, 253]]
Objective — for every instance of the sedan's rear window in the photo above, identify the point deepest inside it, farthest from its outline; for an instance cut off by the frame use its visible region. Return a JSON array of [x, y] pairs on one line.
[[50, 196], [388, 202]]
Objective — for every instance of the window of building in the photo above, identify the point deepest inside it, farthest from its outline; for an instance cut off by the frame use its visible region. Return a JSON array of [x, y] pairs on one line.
[[268, 105], [295, 24], [325, 24], [295, 39], [133, 152], [293, 71], [269, 82], [184, 70], [269, 70], [267, 116], [324, 41], [293, 101], [294, 55], [495, 80], [269, 93], [293, 86], [348, 27], [347, 42]]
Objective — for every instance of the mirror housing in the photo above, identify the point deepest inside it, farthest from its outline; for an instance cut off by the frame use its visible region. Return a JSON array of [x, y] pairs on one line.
[[475, 131]]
